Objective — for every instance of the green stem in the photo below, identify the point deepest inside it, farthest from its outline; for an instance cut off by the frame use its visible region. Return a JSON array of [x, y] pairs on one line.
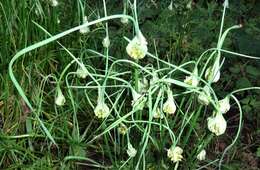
[[194, 120]]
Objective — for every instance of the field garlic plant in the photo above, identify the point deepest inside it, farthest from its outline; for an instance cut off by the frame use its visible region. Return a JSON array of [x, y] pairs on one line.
[[113, 99]]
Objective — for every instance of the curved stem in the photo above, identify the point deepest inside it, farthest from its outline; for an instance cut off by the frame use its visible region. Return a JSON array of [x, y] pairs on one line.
[[237, 134]]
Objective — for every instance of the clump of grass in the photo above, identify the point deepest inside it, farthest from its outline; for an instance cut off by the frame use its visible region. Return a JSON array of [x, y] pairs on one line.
[[125, 114]]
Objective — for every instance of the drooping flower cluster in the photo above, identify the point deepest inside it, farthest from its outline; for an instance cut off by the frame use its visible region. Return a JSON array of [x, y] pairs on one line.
[[137, 47], [158, 114], [101, 110], [81, 73], [131, 151], [124, 20], [106, 42], [85, 29], [202, 155], [122, 129], [169, 106], [54, 3], [60, 99], [217, 123], [175, 154], [224, 105]]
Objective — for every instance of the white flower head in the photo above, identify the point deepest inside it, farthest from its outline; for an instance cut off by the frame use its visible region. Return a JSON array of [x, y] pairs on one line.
[[82, 73], [124, 20], [192, 79], [106, 42], [101, 110], [158, 114], [169, 106], [60, 99], [202, 155], [122, 129], [175, 154], [54, 3], [131, 151], [204, 97], [85, 29], [224, 105], [217, 124], [137, 47]]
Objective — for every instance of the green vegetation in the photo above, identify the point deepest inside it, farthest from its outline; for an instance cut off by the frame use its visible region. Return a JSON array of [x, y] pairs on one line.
[[129, 84]]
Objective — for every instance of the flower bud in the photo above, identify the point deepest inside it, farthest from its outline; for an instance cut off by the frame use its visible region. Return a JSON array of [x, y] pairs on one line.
[[131, 151], [224, 105], [226, 4], [101, 110], [137, 47], [158, 114], [138, 101], [192, 79], [60, 99], [212, 74], [106, 42], [124, 20], [202, 155], [217, 124], [175, 154], [189, 4], [122, 129], [170, 7], [86, 29], [204, 96], [54, 3], [82, 73], [169, 106]]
